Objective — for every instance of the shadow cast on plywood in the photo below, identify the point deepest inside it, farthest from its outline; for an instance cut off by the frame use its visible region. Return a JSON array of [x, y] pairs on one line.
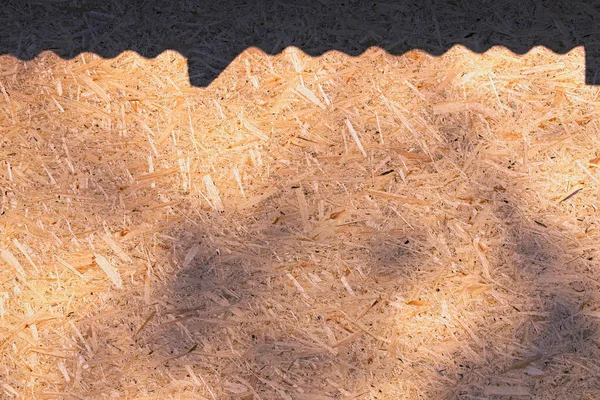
[[550, 335], [273, 303], [211, 34]]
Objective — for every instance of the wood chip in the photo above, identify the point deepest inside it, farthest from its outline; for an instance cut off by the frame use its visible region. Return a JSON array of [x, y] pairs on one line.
[[303, 207], [10, 259], [213, 193], [116, 248], [355, 137], [109, 270]]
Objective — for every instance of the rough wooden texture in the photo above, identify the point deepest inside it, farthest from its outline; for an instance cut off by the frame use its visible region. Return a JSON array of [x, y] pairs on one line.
[[305, 228]]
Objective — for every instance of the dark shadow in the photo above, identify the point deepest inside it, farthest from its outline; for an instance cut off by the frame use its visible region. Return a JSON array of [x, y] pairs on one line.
[[236, 301], [554, 339], [208, 301], [210, 34]]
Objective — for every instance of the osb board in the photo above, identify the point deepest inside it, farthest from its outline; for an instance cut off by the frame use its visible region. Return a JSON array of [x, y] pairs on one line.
[[305, 228]]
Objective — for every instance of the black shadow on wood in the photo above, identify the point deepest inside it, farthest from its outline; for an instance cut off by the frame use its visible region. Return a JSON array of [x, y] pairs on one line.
[[212, 33]]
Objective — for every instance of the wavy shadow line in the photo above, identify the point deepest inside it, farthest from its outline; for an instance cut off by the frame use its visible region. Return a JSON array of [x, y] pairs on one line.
[[212, 34]]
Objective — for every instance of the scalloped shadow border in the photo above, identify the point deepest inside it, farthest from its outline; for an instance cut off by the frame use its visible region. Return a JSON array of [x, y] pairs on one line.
[[211, 34]]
